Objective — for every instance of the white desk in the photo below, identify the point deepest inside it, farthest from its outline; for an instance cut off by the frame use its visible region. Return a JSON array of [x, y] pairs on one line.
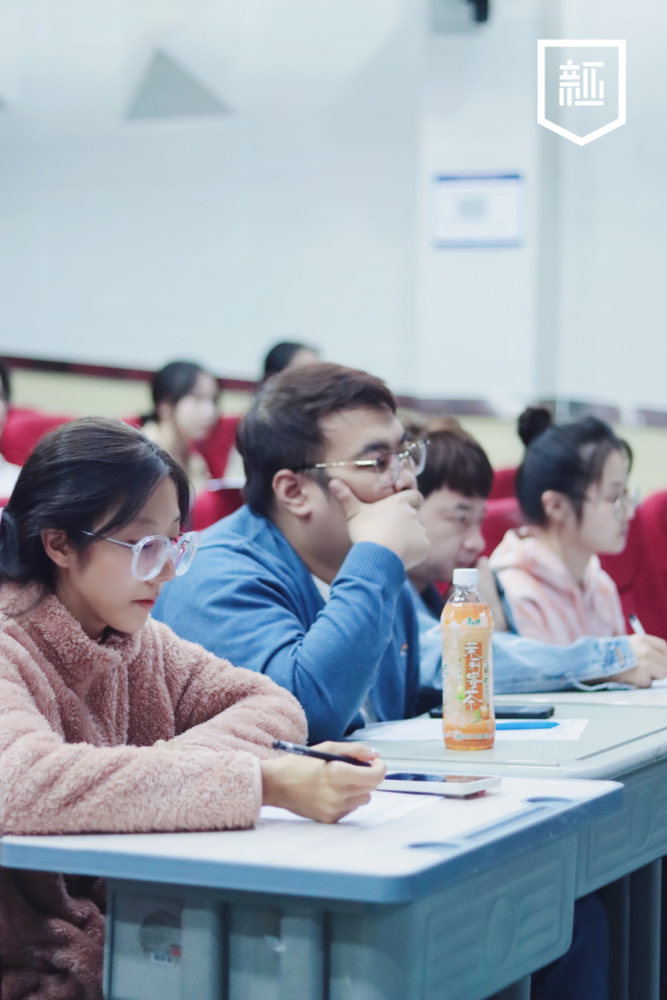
[[625, 739], [454, 898], [654, 697]]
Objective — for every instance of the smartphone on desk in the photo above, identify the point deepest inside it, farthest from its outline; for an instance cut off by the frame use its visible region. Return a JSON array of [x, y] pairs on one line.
[[456, 786], [511, 712]]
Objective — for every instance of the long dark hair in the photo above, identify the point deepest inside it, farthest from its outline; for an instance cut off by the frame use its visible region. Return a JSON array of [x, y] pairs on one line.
[[81, 473], [171, 384], [566, 458]]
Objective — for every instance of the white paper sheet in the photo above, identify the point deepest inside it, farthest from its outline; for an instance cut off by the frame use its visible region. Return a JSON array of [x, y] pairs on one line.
[[383, 807], [431, 729]]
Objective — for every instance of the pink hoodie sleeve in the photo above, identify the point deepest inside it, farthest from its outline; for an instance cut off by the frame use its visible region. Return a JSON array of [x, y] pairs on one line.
[[219, 706], [50, 786]]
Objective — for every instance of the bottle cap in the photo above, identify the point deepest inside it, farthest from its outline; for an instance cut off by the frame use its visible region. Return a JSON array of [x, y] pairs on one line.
[[466, 577]]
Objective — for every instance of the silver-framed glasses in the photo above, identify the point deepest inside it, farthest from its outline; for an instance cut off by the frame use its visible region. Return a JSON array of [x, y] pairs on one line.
[[150, 554], [387, 466]]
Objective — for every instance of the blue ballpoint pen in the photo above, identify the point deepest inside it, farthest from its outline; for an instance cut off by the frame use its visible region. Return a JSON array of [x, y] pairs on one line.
[[526, 724]]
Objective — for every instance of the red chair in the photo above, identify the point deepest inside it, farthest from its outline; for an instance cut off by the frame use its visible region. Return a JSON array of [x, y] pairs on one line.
[[503, 484], [211, 505], [639, 571], [501, 515], [218, 444], [22, 431]]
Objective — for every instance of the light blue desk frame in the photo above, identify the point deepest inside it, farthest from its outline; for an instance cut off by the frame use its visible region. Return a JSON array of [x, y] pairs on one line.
[[484, 910]]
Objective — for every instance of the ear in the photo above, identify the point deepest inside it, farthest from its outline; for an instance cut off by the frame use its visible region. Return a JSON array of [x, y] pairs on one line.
[[58, 547], [293, 491], [557, 506]]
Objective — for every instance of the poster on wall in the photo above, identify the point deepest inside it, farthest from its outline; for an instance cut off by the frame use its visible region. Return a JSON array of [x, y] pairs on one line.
[[478, 210]]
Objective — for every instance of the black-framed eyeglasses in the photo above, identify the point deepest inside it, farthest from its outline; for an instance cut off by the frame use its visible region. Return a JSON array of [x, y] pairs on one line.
[[387, 466], [150, 554]]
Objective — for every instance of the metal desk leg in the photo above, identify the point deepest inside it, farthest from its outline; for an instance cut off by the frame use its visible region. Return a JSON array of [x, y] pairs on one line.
[[616, 900], [517, 991], [645, 904]]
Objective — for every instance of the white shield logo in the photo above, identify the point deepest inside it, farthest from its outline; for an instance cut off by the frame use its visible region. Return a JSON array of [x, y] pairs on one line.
[[580, 87]]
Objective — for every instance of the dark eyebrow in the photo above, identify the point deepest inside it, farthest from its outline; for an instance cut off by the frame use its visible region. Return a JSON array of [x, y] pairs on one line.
[[380, 446], [148, 521]]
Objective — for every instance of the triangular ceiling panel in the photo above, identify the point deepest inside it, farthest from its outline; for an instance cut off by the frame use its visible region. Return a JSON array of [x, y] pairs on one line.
[[168, 91]]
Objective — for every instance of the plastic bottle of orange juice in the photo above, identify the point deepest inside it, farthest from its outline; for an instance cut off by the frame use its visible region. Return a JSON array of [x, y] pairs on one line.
[[467, 672]]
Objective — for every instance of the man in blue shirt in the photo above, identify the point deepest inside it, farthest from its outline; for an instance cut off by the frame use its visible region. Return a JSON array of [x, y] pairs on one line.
[[455, 482], [307, 583]]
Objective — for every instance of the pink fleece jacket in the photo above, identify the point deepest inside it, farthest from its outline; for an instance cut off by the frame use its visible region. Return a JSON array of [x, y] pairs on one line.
[[545, 600], [79, 722]]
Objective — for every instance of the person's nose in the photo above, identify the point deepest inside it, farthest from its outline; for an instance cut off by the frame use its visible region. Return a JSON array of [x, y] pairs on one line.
[[474, 541], [168, 571], [407, 479]]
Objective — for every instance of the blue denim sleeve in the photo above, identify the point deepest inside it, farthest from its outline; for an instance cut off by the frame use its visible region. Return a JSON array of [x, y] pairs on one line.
[[523, 665]]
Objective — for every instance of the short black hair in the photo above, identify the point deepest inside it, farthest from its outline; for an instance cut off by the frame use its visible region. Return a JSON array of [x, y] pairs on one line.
[[280, 356], [281, 430], [454, 459], [566, 458]]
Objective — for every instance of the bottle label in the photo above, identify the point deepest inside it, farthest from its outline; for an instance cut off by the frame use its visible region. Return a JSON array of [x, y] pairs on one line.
[[468, 718], [473, 666]]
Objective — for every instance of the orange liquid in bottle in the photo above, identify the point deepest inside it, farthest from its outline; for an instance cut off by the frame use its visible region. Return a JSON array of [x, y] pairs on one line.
[[468, 718]]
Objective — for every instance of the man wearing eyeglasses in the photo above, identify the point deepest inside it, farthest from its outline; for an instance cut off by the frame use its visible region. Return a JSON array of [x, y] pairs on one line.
[[307, 583]]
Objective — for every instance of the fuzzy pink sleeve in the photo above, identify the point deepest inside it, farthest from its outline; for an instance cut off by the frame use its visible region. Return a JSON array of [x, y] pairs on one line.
[[220, 706], [49, 786]]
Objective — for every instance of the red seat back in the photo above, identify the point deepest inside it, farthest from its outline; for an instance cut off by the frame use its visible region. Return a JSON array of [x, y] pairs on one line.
[[639, 571], [503, 484], [218, 444], [211, 505], [501, 515], [24, 428]]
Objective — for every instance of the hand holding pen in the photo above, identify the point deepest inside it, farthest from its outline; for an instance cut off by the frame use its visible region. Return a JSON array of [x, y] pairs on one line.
[[302, 751], [322, 789], [650, 652]]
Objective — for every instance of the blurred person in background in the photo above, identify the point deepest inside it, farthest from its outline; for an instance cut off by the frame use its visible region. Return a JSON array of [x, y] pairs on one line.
[[455, 483], [572, 488], [8, 473], [288, 354], [185, 410]]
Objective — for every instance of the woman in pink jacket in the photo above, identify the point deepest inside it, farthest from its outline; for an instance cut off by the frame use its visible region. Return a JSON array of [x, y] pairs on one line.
[[572, 488], [108, 721]]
